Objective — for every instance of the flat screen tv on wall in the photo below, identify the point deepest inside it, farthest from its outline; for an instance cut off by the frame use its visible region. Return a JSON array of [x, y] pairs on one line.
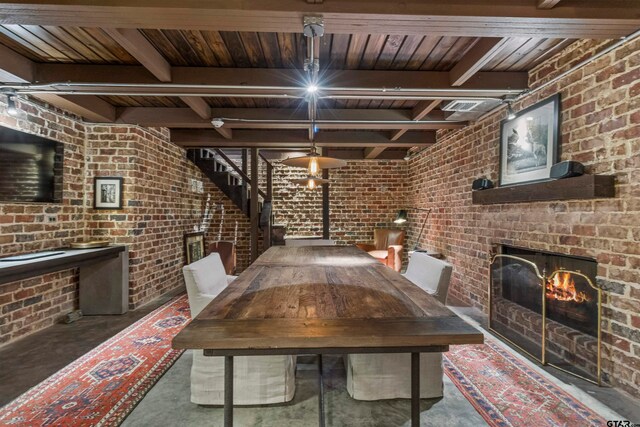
[[30, 168]]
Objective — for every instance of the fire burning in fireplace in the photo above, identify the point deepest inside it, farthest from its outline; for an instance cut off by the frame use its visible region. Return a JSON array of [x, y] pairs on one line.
[[562, 287]]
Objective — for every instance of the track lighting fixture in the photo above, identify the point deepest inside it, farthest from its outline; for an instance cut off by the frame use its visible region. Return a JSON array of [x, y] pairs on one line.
[[12, 110], [510, 113]]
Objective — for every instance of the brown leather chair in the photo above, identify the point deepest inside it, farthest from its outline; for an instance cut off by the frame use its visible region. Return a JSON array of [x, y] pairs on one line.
[[227, 251], [387, 247]]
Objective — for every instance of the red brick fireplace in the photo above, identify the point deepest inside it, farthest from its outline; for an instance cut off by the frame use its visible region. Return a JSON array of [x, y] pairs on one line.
[[599, 127]]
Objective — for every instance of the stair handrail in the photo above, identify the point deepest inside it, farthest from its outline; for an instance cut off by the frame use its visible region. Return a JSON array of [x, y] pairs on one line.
[[269, 177], [239, 171]]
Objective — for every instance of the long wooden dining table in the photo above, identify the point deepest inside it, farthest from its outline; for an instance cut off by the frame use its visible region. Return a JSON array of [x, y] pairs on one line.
[[323, 300]]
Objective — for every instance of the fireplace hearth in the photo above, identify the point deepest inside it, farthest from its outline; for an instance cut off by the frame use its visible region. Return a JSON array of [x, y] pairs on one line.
[[547, 304]]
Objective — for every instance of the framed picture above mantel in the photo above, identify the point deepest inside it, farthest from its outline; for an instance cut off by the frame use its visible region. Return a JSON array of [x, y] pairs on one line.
[[529, 143]]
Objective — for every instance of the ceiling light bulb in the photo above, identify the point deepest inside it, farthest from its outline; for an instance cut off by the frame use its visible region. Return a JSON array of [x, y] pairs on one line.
[[11, 106], [311, 184], [314, 167], [312, 88]]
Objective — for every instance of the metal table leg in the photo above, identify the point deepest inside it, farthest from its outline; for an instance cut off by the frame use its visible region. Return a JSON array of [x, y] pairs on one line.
[[415, 389], [320, 393], [228, 391]]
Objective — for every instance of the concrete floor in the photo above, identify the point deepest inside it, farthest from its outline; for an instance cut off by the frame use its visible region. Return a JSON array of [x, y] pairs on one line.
[[30, 360], [168, 403]]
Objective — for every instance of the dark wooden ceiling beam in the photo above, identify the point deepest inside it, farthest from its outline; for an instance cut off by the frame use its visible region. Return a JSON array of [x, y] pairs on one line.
[[210, 80], [92, 108], [425, 108], [373, 152], [476, 58], [347, 125], [226, 132], [15, 68], [420, 111], [355, 153], [199, 106], [285, 119], [134, 42], [297, 139], [480, 18], [174, 117], [547, 4], [140, 48]]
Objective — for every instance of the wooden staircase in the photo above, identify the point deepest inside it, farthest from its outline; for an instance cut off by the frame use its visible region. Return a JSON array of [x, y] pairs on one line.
[[234, 182]]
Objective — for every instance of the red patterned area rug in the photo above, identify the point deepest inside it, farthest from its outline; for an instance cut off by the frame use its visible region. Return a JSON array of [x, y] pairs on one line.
[[507, 392], [102, 387]]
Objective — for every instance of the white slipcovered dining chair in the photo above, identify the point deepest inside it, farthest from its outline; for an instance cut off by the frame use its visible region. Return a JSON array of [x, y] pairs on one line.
[[388, 376], [431, 274], [257, 380]]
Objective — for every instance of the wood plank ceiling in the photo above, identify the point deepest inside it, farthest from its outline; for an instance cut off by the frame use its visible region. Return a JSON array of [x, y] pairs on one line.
[[184, 76]]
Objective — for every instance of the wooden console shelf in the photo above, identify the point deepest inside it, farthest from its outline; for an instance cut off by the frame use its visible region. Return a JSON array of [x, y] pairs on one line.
[[581, 187]]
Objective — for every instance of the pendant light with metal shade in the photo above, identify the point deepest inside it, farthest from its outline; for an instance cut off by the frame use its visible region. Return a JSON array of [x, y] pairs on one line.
[[311, 182], [314, 162]]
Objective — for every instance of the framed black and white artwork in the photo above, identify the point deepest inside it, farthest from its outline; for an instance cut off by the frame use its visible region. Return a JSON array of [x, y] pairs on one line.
[[529, 143], [107, 193]]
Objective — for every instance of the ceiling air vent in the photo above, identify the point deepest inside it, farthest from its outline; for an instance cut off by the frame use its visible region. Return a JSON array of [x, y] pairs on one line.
[[462, 105]]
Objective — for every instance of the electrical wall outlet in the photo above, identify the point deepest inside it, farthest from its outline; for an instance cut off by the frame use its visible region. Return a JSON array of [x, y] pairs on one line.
[[51, 219]]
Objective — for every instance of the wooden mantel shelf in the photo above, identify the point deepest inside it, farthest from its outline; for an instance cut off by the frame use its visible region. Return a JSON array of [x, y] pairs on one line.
[[581, 187]]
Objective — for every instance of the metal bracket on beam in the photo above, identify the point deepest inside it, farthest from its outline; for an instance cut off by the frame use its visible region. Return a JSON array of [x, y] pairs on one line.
[[313, 26]]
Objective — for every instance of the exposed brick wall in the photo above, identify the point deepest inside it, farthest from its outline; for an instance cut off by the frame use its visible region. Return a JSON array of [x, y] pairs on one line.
[[34, 304], [600, 127], [232, 217], [22, 225], [363, 195], [159, 208], [30, 305], [159, 205], [297, 207], [156, 205]]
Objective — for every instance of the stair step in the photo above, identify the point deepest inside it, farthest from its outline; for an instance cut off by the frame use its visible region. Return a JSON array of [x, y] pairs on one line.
[[221, 178], [229, 183]]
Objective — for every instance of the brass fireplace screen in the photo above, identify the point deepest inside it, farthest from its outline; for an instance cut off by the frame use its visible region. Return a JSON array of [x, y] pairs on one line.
[[554, 318]]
